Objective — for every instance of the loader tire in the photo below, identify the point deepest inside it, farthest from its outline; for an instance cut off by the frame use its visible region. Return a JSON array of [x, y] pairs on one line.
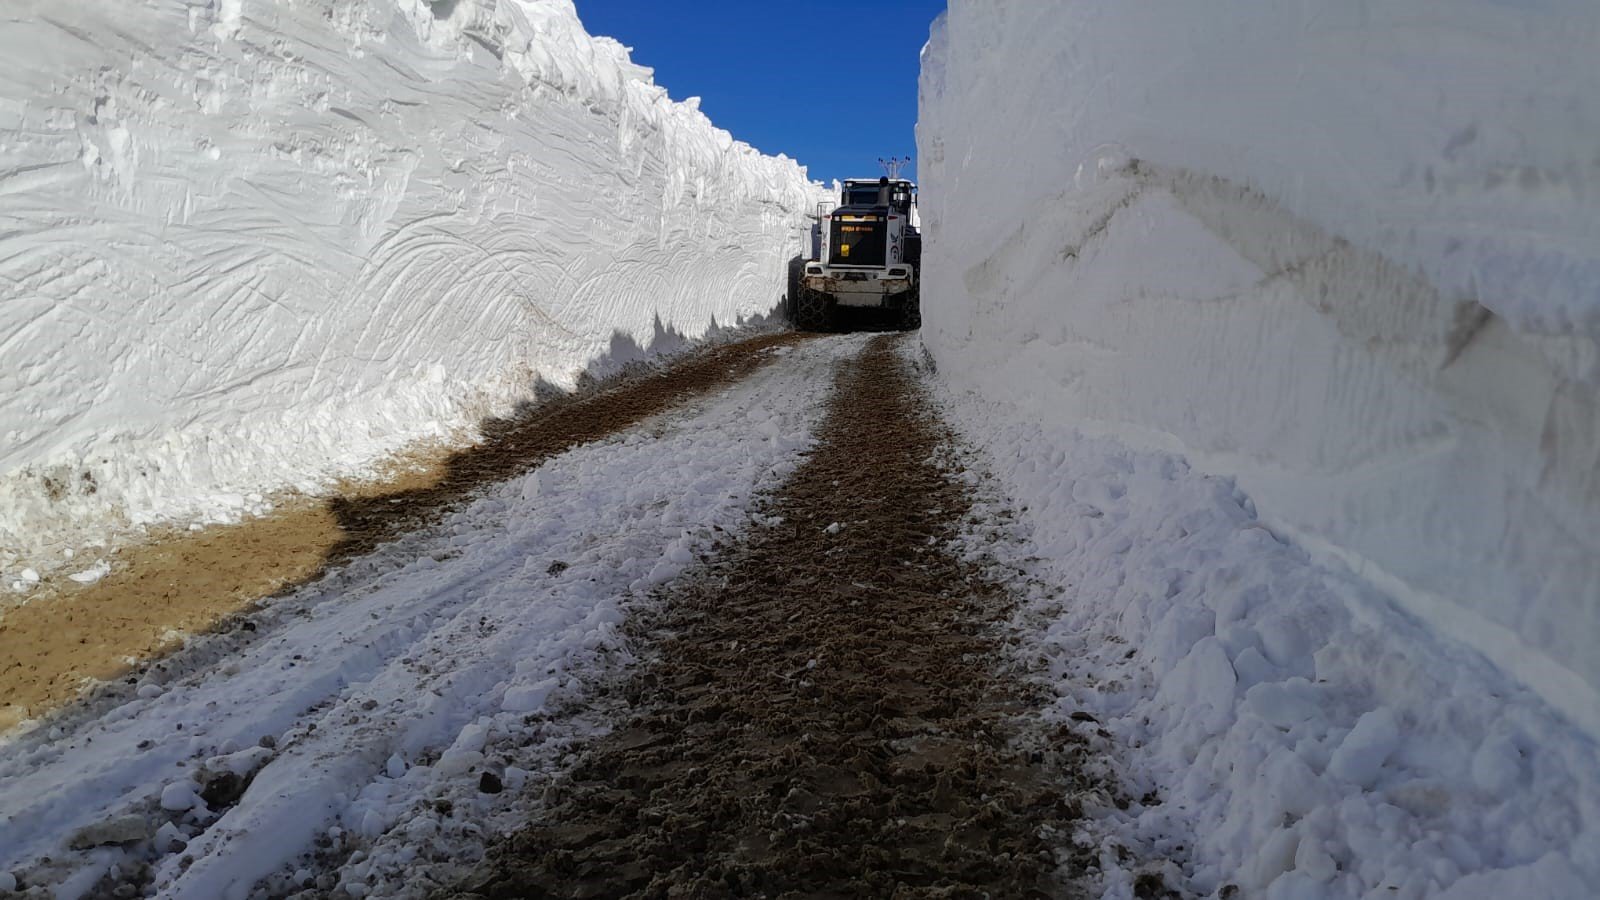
[[797, 269], [813, 310], [911, 311]]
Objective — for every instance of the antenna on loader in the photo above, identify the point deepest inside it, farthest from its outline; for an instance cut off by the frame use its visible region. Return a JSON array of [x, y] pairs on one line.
[[893, 165]]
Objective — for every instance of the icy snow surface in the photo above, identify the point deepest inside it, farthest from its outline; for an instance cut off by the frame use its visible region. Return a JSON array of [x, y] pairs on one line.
[[252, 244], [1345, 251], [1301, 736], [399, 681]]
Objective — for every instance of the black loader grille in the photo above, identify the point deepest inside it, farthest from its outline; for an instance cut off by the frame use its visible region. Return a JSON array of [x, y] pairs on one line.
[[858, 240]]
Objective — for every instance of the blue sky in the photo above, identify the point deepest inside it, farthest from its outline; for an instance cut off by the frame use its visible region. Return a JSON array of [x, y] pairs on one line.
[[831, 83]]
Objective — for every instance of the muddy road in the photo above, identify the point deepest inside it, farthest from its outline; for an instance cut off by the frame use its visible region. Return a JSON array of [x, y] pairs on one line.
[[822, 713], [704, 632]]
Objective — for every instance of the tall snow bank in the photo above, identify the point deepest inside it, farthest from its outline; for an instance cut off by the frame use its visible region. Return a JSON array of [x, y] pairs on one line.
[[256, 243], [1348, 252]]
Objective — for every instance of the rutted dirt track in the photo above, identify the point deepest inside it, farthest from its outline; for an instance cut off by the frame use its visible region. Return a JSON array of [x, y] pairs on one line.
[[189, 582], [821, 713]]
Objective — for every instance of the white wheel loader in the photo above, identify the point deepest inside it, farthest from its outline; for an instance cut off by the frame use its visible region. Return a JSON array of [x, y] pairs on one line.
[[866, 254]]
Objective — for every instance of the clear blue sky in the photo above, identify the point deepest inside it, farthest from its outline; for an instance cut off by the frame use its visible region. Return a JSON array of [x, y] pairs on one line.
[[831, 83]]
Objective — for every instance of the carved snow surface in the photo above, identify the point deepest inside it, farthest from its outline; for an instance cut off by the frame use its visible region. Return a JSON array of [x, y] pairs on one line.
[[254, 245], [1287, 343]]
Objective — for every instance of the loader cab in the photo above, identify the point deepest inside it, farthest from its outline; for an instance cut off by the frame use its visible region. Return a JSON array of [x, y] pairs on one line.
[[899, 195]]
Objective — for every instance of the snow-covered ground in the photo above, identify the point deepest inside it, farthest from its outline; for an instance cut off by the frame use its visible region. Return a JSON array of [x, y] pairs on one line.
[[396, 683], [1286, 347], [1305, 738], [248, 245]]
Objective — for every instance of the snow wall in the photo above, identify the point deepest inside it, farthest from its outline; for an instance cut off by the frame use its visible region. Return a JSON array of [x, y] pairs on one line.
[[254, 244], [1347, 252]]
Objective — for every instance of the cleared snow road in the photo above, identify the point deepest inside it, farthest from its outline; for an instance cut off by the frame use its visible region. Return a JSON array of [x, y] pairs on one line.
[[386, 689], [1245, 721], [824, 710]]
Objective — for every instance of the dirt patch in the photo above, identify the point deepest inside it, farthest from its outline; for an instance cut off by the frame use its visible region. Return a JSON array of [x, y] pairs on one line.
[[187, 582], [821, 714]]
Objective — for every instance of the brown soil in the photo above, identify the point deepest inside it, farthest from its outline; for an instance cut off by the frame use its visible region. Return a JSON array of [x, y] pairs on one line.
[[187, 582], [822, 715]]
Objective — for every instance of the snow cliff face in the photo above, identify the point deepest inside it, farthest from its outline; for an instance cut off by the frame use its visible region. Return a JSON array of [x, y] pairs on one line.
[[1346, 252], [250, 244]]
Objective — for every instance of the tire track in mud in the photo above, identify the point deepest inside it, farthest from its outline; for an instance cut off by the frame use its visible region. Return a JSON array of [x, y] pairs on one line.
[[822, 712], [197, 583]]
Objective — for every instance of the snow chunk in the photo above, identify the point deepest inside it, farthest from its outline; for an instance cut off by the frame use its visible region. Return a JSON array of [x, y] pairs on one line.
[[472, 738], [515, 778], [180, 796], [1314, 861], [1178, 632], [1497, 766], [1202, 687], [1367, 747], [527, 698], [1274, 858], [240, 763], [1286, 704], [458, 762], [89, 576], [169, 839]]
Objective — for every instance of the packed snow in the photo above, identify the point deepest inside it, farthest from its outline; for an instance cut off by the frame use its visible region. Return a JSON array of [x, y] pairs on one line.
[[1303, 736], [1285, 350], [249, 246], [383, 711], [1348, 253]]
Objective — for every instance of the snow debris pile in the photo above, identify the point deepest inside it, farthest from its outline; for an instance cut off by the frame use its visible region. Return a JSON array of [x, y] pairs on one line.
[[254, 245], [1290, 343], [1308, 739]]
